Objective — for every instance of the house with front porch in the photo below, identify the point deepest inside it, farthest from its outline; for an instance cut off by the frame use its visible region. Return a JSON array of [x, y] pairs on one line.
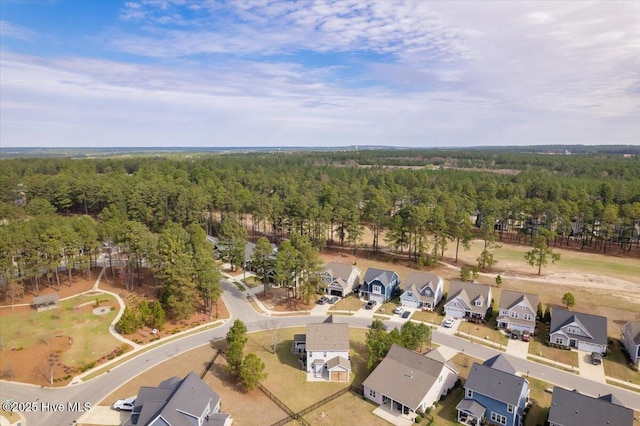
[[406, 382], [326, 347], [630, 339], [422, 290], [571, 408], [468, 300], [517, 311], [578, 330], [379, 285], [340, 279], [494, 391]]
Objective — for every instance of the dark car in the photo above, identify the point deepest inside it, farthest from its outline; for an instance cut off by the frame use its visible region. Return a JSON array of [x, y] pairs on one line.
[[406, 314], [323, 300], [596, 358], [370, 304], [515, 334], [334, 299]]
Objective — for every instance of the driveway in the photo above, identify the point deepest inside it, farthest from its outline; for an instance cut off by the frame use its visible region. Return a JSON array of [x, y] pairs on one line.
[[100, 415], [452, 330], [518, 348], [590, 371]]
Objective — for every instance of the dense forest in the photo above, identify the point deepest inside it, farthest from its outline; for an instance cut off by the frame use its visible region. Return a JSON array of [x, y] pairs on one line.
[[54, 208]]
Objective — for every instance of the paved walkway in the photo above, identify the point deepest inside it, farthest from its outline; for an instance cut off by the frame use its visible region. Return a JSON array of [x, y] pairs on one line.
[[518, 348]]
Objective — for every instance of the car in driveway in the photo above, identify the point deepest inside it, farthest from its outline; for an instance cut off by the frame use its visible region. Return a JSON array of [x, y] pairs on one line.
[[526, 336], [448, 323], [398, 310], [323, 300], [406, 314], [370, 304], [124, 404], [596, 358], [334, 299]]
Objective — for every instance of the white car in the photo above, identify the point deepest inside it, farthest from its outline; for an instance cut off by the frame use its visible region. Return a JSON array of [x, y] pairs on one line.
[[398, 310], [448, 323], [124, 404]]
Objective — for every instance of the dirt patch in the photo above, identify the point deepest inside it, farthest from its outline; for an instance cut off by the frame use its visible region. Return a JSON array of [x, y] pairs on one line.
[[276, 300]]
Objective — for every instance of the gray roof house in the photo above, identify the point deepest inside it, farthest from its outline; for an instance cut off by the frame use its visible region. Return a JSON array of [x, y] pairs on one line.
[[494, 391], [178, 402], [570, 408], [422, 290], [578, 330], [341, 278], [327, 351], [468, 300], [517, 311], [406, 381], [379, 285], [630, 338]]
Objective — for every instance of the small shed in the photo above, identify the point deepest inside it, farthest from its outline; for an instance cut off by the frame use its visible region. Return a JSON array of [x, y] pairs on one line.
[[44, 303]]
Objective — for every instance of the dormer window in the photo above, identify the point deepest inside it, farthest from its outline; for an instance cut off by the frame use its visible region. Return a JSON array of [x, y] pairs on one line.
[[503, 312], [573, 330], [478, 302]]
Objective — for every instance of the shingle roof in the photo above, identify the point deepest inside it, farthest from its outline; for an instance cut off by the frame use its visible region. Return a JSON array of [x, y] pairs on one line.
[[471, 406], [468, 293], [634, 328], [381, 275], [595, 325], [327, 337], [501, 363], [404, 376], [417, 282], [339, 361], [510, 298], [570, 408], [495, 383], [339, 270]]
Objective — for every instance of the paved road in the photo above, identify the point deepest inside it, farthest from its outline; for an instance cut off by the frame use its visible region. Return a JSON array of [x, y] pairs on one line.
[[97, 389]]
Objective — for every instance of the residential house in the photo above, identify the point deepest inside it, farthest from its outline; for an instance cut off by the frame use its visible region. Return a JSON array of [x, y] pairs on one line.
[[494, 391], [630, 338], [571, 408], [422, 291], [178, 402], [327, 350], [341, 279], [578, 330], [517, 311], [379, 285], [407, 382], [468, 300]]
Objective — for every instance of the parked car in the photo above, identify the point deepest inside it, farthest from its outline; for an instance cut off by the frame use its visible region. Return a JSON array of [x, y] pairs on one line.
[[334, 299], [448, 323], [370, 304], [596, 358], [526, 336], [398, 310], [323, 300], [406, 314], [515, 334], [124, 404]]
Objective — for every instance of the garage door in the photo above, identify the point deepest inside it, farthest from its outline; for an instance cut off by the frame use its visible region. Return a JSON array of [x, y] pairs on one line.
[[589, 347], [336, 293], [377, 297], [456, 313], [339, 376], [408, 303]]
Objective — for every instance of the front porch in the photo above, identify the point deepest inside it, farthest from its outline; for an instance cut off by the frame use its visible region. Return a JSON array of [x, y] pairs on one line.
[[470, 412]]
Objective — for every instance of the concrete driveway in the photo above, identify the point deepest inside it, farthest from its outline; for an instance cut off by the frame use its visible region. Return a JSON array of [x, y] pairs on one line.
[[518, 348], [452, 330], [100, 415], [590, 371]]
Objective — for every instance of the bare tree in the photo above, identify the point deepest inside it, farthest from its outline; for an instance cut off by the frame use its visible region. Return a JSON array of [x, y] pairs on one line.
[[15, 290], [273, 329]]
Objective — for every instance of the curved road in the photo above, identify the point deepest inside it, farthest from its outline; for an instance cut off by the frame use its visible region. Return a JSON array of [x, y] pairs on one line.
[[58, 412]]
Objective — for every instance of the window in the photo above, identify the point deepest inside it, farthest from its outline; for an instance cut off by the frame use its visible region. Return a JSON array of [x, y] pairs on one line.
[[510, 408], [527, 317], [573, 330], [325, 354], [372, 393], [514, 315], [377, 289], [440, 379], [559, 341], [469, 393], [478, 303], [503, 312], [495, 417]]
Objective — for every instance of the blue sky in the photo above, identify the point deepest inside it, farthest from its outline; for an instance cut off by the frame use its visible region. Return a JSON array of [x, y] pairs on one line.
[[99, 73]]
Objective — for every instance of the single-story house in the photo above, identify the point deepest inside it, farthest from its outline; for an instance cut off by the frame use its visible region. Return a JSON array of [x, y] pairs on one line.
[[585, 332], [422, 290]]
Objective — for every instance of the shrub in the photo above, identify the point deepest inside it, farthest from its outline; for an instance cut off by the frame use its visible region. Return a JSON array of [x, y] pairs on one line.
[[418, 419]]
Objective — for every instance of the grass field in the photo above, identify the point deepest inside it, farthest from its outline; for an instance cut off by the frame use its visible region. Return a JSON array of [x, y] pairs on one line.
[[349, 303], [616, 365]]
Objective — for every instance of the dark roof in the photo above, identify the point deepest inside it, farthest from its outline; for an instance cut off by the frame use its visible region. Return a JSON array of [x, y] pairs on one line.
[[571, 408], [595, 325], [381, 275], [634, 328], [510, 298], [46, 300], [405, 376], [471, 406], [173, 400], [500, 362], [494, 383]]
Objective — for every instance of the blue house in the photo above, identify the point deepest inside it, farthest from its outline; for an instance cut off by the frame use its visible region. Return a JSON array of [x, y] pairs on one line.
[[493, 394], [379, 285]]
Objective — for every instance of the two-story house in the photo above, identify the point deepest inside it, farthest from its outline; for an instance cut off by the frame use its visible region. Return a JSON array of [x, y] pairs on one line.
[[178, 401], [326, 347], [340, 279], [494, 391], [379, 285], [422, 291], [630, 338], [406, 381], [468, 300], [578, 330], [570, 408], [517, 311]]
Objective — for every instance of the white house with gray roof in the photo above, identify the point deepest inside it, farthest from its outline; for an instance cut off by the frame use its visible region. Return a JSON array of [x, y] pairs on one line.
[[517, 311], [584, 332], [630, 338], [406, 381], [571, 408], [327, 351], [468, 300], [340, 278], [422, 290], [178, 402]]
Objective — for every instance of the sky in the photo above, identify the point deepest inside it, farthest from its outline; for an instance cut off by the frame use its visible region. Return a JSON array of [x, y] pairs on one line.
[[172, 73]]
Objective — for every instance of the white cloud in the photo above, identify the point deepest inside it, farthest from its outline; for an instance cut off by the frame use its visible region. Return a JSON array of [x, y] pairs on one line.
[[9, 30]]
